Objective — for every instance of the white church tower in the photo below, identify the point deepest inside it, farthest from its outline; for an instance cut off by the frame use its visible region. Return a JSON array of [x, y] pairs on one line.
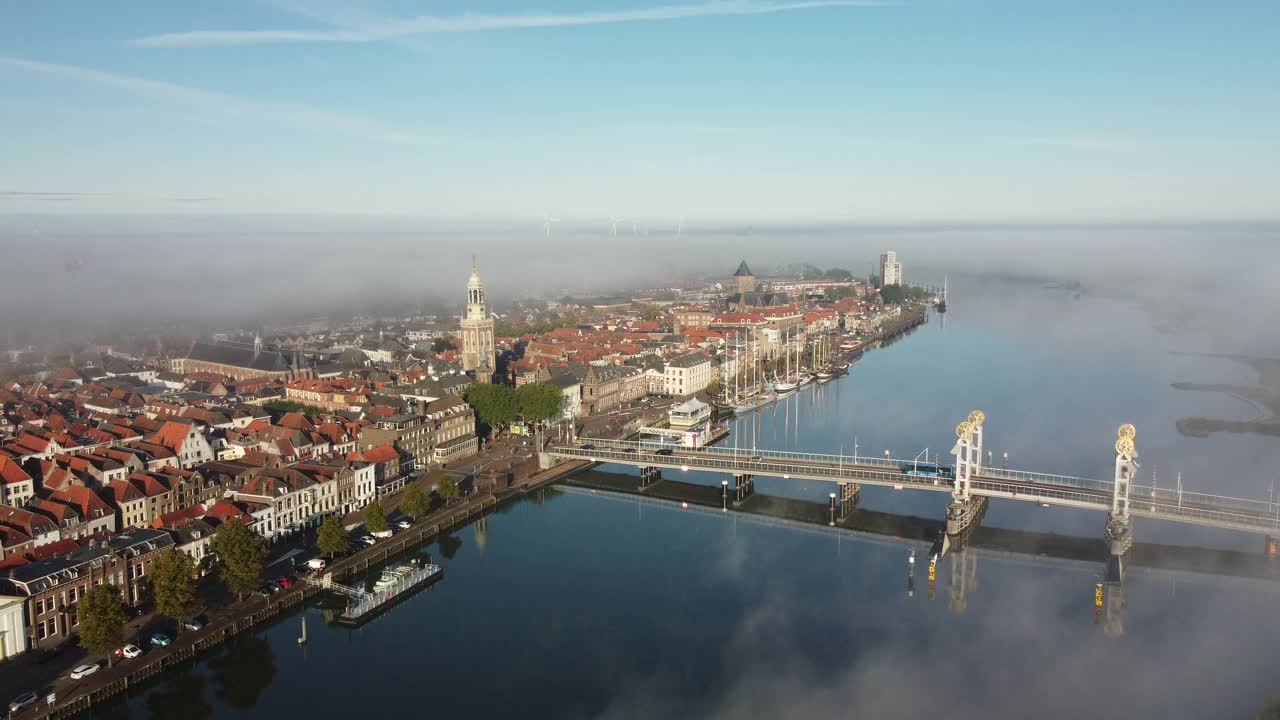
[[477, 331]]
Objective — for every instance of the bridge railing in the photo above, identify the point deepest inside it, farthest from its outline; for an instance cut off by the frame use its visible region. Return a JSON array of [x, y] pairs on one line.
[[1040, 478], [729, 451], [742, 465], [1041, 493]]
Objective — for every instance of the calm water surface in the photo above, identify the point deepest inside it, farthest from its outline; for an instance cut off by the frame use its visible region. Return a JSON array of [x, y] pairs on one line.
[[571, 605]]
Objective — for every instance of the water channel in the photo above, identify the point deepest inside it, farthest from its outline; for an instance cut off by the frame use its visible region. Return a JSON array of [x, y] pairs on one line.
[[572, 605]]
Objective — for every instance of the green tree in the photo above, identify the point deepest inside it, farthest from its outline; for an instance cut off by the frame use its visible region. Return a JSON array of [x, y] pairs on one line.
[[539, 402], [288, 406], [837, 273], [173, 584], [448, 488], [893, 294], [495, 405], [375, 518], [102, 617], [415, 503], [332, 537], [242, 554], [714, 388], [442, 344]]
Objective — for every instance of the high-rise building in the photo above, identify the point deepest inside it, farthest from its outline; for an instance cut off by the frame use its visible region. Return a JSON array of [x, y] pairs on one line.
[[890, 269], [477, 331]]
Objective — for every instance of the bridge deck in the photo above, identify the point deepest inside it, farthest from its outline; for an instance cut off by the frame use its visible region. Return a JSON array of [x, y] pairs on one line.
[[1021, 485]]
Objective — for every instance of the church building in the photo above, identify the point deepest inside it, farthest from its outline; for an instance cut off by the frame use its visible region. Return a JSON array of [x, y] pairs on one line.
[[748, 297], [477, 332]]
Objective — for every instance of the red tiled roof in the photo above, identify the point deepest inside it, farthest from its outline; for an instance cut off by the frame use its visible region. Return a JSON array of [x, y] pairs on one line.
[[380, 454], [172, 435], [11, 472]]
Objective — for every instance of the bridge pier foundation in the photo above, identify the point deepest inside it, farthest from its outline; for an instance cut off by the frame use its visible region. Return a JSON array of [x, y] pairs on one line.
[[649, 476], [849, 493], [963, 516], [744, 486], [1119, 539]]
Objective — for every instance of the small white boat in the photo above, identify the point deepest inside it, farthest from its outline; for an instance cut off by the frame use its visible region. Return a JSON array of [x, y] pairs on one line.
[[784, 387], [805, 380]]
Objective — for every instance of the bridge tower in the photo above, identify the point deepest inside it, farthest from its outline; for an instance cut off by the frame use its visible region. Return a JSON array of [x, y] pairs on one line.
[[1119, 528], [966, 508]]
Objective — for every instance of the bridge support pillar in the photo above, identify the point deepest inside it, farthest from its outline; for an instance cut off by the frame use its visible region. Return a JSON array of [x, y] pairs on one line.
[[649, 475], [966, 509], [1119, 529], [743, 487], [849, 493], [963, 516]]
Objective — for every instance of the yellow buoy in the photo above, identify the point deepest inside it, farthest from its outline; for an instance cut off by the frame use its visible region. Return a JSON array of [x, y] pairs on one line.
[[1097, 596]]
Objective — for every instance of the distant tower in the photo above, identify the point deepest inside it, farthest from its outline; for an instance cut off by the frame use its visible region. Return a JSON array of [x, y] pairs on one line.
[[890, 269], [257, 343], [477, 331], [746, 280]]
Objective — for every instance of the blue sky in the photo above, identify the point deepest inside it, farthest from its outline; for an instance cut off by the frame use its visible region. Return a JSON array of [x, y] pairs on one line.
[[743, 110]]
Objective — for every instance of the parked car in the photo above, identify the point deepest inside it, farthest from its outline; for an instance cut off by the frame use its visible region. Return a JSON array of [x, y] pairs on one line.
[[404, 524], [314, 565], [384, 534], [129, 651], [192, 624], [629, 450], [284, 582], [366, 539], [267, 589], [22, 701], [83, 671], [665, 451], [160, 640], [756, 458], [588, 446]]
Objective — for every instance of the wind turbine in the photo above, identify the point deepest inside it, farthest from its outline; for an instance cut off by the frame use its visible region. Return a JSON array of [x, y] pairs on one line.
[[614, 222], [547, 221], [635, 227], [680, 228]]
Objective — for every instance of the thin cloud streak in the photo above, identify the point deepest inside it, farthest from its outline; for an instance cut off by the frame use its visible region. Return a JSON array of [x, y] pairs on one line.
[[288, 114], [428, 24]]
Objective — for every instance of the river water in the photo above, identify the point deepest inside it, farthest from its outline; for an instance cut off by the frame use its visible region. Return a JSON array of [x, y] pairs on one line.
[[575, 605]]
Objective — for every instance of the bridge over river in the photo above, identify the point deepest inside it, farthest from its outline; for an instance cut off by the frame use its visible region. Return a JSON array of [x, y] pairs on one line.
[[969, 482]]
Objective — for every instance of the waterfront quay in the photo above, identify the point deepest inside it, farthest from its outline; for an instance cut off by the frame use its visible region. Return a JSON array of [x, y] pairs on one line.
[[246, 615]]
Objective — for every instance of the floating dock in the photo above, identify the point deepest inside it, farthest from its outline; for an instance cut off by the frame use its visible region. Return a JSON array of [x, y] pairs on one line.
[[364, 606]]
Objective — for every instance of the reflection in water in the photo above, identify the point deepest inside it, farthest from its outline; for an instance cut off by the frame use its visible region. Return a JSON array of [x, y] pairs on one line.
[[181, 696], [449, 545], [243, 670]]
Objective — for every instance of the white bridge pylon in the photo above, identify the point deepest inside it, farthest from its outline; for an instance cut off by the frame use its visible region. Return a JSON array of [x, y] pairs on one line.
[[968, 453]]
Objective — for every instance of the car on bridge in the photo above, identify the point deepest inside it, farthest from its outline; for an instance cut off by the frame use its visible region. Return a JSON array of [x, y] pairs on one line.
[[664, 451]]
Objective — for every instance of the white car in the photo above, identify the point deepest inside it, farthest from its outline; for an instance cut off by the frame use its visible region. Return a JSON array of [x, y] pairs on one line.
[[129, 651], [367, 539], [404, 524], [84, 671]]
